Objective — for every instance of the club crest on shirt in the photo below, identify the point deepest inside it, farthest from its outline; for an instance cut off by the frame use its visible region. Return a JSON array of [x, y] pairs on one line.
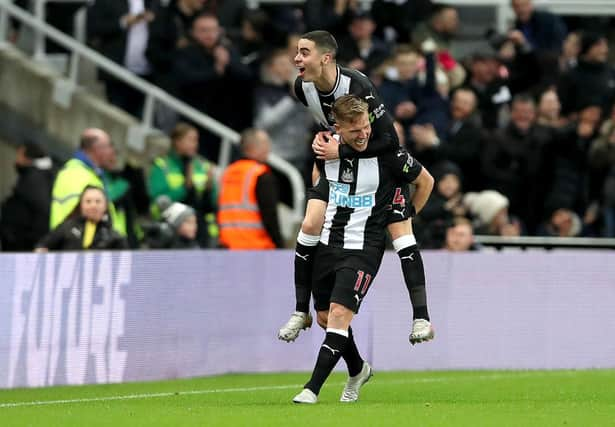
[[347, 175]]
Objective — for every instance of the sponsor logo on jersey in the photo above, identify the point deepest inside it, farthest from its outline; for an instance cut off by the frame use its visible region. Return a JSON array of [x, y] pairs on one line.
[[340, 195]]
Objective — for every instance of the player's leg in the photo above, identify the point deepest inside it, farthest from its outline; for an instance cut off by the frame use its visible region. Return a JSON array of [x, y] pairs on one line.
[[413, 270], [324, 280], [351, 356], [333, 346], [307, 241]]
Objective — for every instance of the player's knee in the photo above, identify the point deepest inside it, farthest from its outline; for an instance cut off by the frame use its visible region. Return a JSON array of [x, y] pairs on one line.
[[400, 228], [339, 313], [311, 225]]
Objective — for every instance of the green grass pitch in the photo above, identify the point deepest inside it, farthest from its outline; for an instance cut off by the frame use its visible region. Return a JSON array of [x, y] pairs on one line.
[[467, 398]]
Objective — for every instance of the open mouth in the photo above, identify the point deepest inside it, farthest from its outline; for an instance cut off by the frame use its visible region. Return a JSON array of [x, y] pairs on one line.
[[301, 71]]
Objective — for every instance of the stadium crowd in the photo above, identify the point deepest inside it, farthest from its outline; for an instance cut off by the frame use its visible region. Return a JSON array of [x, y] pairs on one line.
[[519, 135]]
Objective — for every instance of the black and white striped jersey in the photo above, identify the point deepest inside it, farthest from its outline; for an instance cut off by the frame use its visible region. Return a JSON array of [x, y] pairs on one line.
[[353, 82], [359, 192]]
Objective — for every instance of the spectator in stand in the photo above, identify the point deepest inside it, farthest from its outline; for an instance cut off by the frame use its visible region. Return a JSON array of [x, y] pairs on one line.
[[491, 89], [444, 204], [184, 176], [602, 163], [441, 27], [396, 19], [332, 16], [362, 50], [84, 169], [433, 103], [521, 62], [178, 230], [119, 30], [490, 212], [461, 143], [592, 81], [570, 52], [400, 89], [284, 118], [543, 30], [513, 162], [571, 187], [460, 236], [87, 227], [251, 42], [120, 192], [168, 33], [248, 200], [24, 215], [562, 223], [549, 110], [211, 78], [229, 14]]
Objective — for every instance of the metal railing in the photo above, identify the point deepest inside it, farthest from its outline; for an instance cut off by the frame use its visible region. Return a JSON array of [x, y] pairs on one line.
[[153, 94], [545, 242]]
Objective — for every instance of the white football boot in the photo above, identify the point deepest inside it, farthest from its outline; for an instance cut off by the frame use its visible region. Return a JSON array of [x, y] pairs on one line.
[[353, 385], [306, 396], [298, 321], [422, 331]]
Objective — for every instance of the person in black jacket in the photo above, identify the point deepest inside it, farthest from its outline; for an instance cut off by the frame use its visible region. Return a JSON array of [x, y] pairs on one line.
[[87, 228], [167, 33], [119, 30], [24, 216]]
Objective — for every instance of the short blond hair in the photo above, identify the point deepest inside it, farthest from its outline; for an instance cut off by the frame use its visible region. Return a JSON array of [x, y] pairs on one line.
[[348, 108]]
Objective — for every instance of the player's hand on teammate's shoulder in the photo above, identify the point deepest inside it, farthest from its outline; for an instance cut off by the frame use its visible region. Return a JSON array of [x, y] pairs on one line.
[[325, 146]]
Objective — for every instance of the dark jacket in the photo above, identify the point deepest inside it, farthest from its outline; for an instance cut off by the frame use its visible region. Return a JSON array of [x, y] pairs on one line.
[[217, 95], [68, 236], [544, 31], [587, 84], [514, 164], [349, 50], [24, 216], [169, 26], [104, 32]]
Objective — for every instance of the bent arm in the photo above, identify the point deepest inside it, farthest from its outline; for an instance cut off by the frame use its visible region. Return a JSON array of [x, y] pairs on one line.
[[424, 184]]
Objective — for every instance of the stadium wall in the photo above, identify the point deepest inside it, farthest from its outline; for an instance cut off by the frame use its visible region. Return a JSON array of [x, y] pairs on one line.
[[78, 318]]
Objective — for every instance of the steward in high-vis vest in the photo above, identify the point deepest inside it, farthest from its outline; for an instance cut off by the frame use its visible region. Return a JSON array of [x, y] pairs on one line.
[[82, 170], [185, 177], [247, 206]]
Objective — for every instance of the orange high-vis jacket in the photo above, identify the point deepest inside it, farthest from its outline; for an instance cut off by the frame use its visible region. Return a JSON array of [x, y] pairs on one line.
[[239, 218]]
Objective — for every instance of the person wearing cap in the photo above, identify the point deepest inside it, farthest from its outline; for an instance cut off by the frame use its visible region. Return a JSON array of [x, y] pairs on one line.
[[178, 228], [592, 81], [247, 206], [490, 211], [24, 215]]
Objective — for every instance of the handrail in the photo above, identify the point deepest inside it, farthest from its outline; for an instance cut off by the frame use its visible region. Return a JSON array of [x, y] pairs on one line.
[[153, 94], [549, 242]]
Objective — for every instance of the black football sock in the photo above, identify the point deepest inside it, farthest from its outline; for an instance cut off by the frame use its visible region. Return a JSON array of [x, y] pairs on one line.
[[328, 356], [304, 261], [414, 274], [351, 356]]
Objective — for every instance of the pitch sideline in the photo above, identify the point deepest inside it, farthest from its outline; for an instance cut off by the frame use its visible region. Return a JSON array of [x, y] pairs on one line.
[[253, 389]]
